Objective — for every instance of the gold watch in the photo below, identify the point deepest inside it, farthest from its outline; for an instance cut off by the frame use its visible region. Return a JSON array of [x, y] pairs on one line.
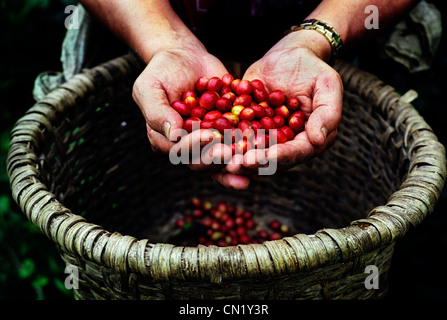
[[325, 29]]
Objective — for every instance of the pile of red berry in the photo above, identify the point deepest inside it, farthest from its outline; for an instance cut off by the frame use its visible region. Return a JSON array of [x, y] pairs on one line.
[[226, 104], [226, 225]]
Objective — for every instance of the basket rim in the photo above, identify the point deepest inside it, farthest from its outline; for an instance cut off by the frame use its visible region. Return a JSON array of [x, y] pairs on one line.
[[300, 252]]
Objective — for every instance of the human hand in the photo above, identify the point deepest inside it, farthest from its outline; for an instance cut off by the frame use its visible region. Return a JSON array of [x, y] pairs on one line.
[[168, 74], [296, 66]]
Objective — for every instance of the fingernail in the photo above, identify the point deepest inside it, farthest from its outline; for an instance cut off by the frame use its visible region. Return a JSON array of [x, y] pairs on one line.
[[167, 129], [243, 187], [324, 132]]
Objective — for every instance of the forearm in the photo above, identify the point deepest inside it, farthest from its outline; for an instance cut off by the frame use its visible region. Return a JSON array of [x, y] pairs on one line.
[[348, 16], [147, 26]]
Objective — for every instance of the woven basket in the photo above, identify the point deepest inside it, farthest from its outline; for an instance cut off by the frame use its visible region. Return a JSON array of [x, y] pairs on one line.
[[83, 172]]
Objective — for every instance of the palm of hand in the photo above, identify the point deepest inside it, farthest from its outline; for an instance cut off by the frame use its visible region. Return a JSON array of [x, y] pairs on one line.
[[298, 73]]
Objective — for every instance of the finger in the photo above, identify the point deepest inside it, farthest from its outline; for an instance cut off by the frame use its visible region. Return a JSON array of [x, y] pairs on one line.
[[255, 158], [329, 141], [298, 150], [236, 166], [201, 150], [230, 180], [327, 108], [159, 143], [212, 157], [291, 152], [194, 141]]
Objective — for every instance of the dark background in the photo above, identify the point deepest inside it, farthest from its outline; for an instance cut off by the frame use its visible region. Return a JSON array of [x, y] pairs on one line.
[[31, 34]]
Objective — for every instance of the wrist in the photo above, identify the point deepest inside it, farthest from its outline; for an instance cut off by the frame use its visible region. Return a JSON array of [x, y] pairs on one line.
[[167, 41], [148, 27], [327, 31], [312, 41]]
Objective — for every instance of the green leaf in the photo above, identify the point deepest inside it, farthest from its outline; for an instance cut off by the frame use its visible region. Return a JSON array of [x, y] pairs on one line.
[[59, 284], [40, 281], [54, 265], [4, 204], [4, 141], [26, 269]]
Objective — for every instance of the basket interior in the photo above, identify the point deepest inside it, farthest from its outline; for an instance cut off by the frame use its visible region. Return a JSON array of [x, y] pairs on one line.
[[99, 164]]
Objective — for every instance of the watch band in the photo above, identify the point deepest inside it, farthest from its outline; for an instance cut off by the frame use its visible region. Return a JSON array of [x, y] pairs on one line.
[[325, 29]]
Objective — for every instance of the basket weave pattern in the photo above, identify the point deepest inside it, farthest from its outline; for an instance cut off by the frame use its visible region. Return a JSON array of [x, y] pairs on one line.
[[82, 171]]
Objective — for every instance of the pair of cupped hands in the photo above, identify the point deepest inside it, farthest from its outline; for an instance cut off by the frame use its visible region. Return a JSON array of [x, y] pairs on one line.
[[296, 65]]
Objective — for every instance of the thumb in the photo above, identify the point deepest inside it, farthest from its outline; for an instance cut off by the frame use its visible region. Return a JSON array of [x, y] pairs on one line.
[[327, 103], [151, 97]]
